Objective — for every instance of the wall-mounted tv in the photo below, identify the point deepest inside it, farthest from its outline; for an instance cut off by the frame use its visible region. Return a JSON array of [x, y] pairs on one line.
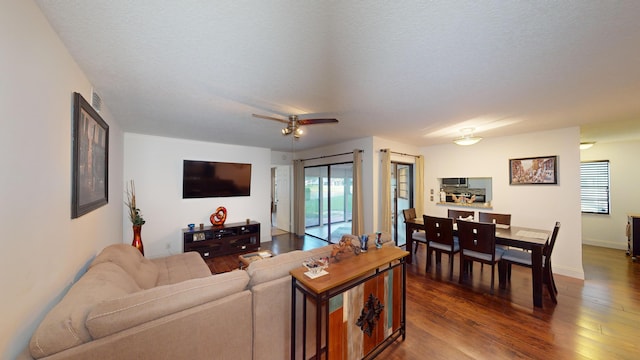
[[202, 179]]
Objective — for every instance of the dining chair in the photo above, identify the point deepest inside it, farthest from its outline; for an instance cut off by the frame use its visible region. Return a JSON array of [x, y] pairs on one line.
[[461, 214], [478, 243], [501, 219], [439, 235], [457, 214], [523, 258], [418, 236]]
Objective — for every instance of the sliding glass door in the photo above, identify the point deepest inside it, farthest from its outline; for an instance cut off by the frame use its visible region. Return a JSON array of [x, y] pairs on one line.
[[401, 198], [328, 200]]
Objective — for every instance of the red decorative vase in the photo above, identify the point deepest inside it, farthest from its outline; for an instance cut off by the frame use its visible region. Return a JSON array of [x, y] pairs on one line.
[[137, 239]]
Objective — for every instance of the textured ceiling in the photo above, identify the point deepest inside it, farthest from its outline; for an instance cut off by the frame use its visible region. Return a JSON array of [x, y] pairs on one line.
[[410, 71]]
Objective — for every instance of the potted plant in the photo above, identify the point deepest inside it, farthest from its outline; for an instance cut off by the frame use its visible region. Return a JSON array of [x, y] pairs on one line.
[[134, 215]]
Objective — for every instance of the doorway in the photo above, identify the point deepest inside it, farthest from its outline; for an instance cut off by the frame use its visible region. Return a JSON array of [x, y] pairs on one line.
[[280, 200], [401, 198]]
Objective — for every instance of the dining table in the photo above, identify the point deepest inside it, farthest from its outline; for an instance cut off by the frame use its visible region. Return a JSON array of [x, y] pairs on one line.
[[533, 240]]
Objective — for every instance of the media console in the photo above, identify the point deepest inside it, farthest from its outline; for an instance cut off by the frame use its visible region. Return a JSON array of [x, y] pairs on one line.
[[212, 241]]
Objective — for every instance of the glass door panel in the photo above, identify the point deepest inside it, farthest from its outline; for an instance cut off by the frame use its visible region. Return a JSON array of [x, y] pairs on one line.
[[340, 188], [315, 201], [402, 198], [328, 201]]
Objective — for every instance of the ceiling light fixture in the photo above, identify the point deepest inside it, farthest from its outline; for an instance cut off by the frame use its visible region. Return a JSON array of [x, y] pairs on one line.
[[467, 138], [586, 145]]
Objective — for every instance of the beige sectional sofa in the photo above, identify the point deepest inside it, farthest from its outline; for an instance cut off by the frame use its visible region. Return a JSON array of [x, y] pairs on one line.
[[129, 307]]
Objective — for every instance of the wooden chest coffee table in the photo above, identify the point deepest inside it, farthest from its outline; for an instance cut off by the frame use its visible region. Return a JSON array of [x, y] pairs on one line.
[[246, 259]]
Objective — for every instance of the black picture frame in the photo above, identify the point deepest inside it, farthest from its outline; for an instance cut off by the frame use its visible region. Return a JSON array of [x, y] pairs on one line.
[[541, 170], [90, 189]]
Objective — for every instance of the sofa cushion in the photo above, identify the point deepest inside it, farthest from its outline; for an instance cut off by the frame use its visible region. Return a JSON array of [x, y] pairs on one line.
[[180, 267], [131, 260], [127, 311], [64, 326], [275, 267]]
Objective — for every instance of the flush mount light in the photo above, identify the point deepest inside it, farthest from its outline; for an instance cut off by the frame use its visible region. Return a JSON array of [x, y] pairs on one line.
[[586, 145], [467, 137]]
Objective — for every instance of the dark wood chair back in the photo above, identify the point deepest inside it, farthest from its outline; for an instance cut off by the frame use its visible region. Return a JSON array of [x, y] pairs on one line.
[[438, 229], [552, 242], [409, 214], [503, 219], [456, 214], [478, 237]]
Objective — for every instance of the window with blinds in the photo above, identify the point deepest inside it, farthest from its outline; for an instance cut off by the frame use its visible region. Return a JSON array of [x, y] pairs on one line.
[[594, 187]]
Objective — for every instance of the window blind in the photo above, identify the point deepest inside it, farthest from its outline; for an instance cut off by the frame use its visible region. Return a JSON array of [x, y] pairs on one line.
[[594, 187]]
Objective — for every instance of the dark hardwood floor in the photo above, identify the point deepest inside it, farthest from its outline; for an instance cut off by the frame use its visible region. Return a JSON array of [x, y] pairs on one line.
[[598, 318]]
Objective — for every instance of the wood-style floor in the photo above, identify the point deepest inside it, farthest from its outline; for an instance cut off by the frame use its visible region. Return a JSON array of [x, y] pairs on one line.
[[595, 319]]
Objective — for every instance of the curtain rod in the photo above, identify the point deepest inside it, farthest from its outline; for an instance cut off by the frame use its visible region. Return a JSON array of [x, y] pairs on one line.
[[327, 156], [398, 153]]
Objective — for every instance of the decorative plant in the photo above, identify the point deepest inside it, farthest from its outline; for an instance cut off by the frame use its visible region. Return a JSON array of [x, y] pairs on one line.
[[134, 211]]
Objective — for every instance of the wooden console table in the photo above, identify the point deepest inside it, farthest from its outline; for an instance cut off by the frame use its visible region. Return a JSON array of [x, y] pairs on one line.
[[363, 298]]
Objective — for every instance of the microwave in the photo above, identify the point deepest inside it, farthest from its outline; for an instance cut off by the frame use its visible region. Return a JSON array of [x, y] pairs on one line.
[[454, 181]]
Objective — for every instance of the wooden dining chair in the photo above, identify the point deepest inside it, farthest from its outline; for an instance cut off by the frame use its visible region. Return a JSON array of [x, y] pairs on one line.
[[498, 219], [464, 214], [439, 234], [523, 258], [418, 236], [457, 214], [478, 243], [502, 219]]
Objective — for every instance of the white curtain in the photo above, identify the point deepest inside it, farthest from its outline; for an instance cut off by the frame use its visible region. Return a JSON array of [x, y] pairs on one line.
[[298, 196], [419, 198], [385, 190], [357, 216]]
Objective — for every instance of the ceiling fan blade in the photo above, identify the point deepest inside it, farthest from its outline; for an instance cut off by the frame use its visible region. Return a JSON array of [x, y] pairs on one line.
[[270, 118], [316, 121]]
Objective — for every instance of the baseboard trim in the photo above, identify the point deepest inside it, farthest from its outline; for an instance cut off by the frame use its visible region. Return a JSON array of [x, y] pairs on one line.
[[606, 244]]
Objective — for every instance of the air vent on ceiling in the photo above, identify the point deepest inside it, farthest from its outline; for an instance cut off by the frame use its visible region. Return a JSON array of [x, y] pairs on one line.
[[96, 101]]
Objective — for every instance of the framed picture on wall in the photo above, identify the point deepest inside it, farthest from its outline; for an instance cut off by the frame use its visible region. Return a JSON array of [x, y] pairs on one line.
[[90, 159], [535, 170]]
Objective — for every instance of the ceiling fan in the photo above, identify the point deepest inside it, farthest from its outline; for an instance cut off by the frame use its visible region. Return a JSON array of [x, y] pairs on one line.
[[293, 124]]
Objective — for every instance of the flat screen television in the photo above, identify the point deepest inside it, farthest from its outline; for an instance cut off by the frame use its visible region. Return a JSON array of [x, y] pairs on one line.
[[203, 179]]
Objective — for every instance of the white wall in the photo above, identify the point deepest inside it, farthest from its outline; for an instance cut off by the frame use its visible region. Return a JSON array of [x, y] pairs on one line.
[[43, 249], [155, 164], [609, 230], [536, 206]]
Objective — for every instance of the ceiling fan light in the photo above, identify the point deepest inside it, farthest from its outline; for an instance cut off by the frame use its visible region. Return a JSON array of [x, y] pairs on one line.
[[286, 131], [586, 145], [467, 137], [298, 132], [467, 140]]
